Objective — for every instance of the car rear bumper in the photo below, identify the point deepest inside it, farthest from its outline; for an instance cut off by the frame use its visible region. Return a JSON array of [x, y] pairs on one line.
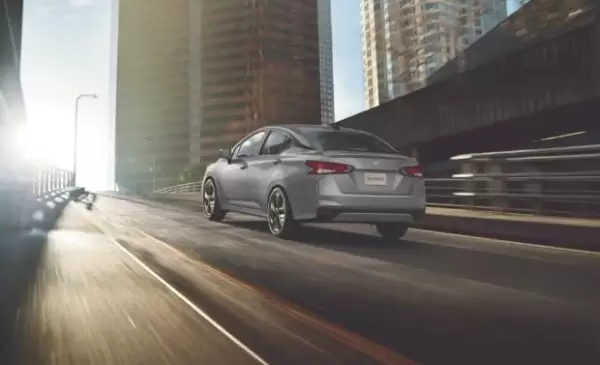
[[349, 216], [370, 209]]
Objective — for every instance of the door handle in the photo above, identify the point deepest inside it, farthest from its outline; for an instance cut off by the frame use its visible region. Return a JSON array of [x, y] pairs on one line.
[[277, 161], [243, 165]]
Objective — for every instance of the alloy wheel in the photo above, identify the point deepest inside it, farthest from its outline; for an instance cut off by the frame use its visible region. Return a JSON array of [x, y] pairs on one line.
[[209, 198], [277, 211]]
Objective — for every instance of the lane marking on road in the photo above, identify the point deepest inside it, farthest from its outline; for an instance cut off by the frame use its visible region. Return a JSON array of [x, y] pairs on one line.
[[342, 335], [512, 243], [179, 295]]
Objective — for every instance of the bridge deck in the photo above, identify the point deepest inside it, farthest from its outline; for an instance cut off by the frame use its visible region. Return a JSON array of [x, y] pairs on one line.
[[332, 295]]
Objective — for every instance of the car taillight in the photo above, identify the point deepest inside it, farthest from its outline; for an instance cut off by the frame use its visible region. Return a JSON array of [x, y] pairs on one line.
[[414, 171], [323, 167]]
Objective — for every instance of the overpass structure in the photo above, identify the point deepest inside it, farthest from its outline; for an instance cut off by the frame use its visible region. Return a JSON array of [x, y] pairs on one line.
[[21, 182], [534, 76]]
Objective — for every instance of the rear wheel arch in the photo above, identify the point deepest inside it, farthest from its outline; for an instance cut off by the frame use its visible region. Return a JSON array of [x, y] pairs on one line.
[[272, 187]]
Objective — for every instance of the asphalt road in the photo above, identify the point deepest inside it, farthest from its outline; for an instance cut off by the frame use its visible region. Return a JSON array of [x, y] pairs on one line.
[[93, 304], [333, 296], [73, 294]]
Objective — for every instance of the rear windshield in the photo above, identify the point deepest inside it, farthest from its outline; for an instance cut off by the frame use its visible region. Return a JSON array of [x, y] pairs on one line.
[[346, 141]]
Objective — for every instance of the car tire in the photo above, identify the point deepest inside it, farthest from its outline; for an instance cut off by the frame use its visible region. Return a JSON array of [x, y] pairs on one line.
[[391, 231], [279, 214], [210, 201]]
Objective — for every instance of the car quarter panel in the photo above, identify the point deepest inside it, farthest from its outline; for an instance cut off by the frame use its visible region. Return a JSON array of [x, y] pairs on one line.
[[300, 187]]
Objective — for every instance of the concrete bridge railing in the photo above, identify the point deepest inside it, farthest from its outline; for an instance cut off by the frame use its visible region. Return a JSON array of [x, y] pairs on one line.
[[20, 187]]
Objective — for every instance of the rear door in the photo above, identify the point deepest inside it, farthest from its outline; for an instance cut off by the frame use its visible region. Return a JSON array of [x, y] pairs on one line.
[[267, 167]]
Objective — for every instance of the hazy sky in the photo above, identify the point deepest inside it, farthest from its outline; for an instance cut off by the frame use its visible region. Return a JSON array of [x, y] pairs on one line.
[[66, 50]]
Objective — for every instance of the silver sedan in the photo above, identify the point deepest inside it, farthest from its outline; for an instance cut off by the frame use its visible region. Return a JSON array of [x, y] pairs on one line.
[[309, 173]]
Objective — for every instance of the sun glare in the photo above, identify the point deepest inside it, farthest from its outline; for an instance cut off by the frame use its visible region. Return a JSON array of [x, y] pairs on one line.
[[44, 143]]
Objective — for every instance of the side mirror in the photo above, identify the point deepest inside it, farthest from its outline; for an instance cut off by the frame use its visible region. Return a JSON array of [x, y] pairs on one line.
[[226, 154]]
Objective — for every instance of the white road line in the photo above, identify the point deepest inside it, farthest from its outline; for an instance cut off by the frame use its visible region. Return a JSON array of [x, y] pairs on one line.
[[184, 299], [399, 359]]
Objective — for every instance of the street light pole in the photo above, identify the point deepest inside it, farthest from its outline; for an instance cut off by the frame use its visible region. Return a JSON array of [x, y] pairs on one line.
[[75, 131]]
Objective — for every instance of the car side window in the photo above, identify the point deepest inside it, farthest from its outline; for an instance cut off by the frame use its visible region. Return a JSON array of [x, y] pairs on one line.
[[250, 146], [276, 143]]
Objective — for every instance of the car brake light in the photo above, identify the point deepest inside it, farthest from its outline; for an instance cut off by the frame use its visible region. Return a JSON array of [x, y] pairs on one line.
[[414, 171], [323, 167]]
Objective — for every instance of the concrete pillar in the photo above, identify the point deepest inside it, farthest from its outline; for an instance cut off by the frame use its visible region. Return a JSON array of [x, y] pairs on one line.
[[52, 179], [40, 182], [47, 186], [34, 182]]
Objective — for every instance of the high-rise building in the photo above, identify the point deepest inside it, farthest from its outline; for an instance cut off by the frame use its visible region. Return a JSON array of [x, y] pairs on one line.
[[196, 76], [374, 52], [152, 93], [404, 41], [259, 66], [326, 62]]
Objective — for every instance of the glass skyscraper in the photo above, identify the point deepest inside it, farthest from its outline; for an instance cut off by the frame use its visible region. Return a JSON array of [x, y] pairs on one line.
[[405, 41], [326, 62]]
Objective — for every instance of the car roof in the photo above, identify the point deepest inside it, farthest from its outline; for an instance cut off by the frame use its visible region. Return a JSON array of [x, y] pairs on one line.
[[298, 128]]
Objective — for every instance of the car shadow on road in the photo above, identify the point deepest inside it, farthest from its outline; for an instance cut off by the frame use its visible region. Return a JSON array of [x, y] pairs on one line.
[[331, 237], [21, 252], [521, 273]]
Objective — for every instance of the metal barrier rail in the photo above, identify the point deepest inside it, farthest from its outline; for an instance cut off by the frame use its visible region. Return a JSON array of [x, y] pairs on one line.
[[47, 179], [19, 189], [36, 179], [540, 152], [562, 181], [193, 187]]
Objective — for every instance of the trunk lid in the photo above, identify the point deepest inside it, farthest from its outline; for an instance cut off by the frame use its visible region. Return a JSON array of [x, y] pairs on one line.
[[374, 173]]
